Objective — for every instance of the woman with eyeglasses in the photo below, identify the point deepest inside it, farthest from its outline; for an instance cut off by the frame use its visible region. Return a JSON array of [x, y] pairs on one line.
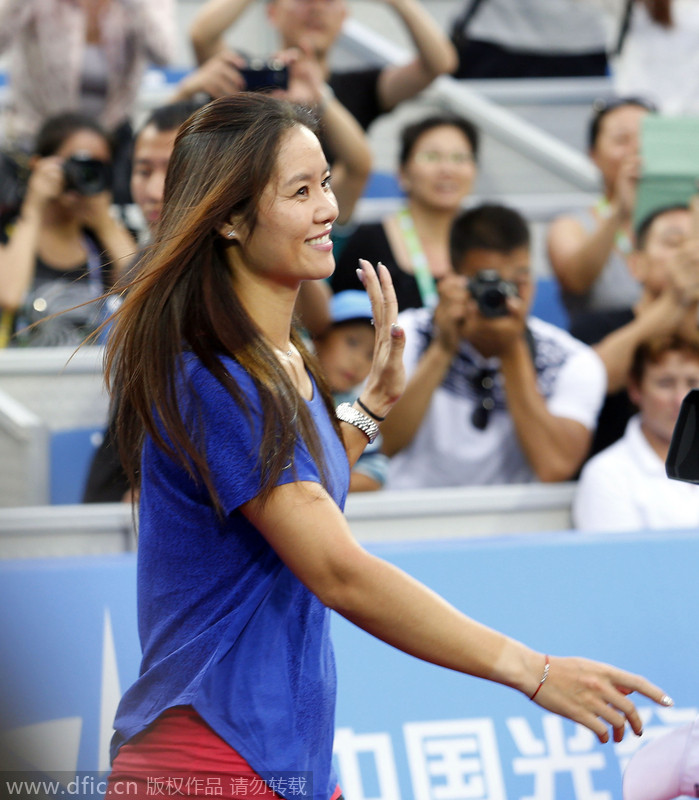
[[437, 168], [588, 250]]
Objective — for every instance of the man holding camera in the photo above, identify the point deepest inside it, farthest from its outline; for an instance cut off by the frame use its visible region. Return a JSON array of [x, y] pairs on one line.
[[494, 395], [314, 26]]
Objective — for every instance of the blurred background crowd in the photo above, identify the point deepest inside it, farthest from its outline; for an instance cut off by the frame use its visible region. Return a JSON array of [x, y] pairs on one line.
[[526, 170]]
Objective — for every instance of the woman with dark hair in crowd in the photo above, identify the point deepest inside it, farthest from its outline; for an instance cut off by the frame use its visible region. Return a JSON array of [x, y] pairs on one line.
[[63, 247], [437, 169], [243, 466], [589, 249]]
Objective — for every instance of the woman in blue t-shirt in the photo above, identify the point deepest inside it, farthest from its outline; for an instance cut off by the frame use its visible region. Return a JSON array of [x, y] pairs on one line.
[[242, 463]]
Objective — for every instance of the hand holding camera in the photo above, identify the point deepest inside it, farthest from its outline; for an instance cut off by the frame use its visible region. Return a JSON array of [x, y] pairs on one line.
[[450, 313], [86, 175], [218, 76], [45, 183], [491, 293], [496, 316], [265, 75]]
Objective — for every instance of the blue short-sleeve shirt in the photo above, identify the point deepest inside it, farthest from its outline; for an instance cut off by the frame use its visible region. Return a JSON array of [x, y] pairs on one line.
[[224, 625]]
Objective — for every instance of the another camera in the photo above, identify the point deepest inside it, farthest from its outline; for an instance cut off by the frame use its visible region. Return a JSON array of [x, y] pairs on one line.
[[262, 75], [491, 292], [86, 175]]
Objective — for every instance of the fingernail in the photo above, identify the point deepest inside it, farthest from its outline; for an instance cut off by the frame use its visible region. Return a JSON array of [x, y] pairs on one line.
[[360, 275], [396, 331], [666, 700]]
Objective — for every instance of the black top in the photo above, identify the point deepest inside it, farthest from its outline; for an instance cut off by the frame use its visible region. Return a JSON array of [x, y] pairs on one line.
[[369, 241], [591, 328], [65, 293], [358, 93]]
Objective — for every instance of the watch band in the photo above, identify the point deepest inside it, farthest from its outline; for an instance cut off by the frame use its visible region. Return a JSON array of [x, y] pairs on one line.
[[348, 413]]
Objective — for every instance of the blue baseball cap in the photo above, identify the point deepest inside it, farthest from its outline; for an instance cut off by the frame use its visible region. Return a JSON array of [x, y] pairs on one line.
[[350, 305]]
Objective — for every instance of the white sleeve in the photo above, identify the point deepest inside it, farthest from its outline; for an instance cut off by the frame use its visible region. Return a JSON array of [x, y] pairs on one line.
[[408, 320], [603, 500], [580, 388]]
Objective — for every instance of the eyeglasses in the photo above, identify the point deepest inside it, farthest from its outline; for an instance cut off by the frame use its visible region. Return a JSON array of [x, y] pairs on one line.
[[435, 157]]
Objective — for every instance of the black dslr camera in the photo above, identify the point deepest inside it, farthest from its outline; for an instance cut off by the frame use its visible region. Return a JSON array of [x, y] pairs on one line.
[[86, 175], [262, 75], [490, 291]]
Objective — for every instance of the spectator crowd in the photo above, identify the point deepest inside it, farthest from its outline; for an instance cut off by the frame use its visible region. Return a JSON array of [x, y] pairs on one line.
[[495, 394]]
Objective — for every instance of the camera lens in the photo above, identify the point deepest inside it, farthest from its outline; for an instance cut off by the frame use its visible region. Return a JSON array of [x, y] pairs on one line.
[[86, 175], [492, 301]]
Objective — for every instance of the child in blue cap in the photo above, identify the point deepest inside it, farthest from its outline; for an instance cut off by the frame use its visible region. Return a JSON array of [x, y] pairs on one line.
[[345, 351]]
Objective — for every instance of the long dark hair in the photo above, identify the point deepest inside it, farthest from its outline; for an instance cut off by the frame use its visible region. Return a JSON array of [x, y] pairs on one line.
[[183, 299]]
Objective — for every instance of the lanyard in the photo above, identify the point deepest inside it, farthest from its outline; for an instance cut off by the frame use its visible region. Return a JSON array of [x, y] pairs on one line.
[[621, 239], [423, 275]]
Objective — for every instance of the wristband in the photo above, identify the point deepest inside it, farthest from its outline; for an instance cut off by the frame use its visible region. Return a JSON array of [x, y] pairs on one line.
[[370, 413], [547, 667]]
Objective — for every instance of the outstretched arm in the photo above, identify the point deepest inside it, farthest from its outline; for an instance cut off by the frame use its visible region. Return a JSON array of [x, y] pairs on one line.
[[436, 56], [310, 534], [210, 23]]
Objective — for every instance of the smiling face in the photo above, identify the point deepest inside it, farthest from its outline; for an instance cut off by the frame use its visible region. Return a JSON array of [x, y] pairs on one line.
[[441, 168], [152, 151], [660, 392], [291, 238], [345, 353], [315, 23]]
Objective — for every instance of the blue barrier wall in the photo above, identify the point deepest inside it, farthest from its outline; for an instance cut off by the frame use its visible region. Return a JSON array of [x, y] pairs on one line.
[[405, 729]]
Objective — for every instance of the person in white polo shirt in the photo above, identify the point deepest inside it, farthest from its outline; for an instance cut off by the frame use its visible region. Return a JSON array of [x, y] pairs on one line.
[[494, 395], [625, 487]]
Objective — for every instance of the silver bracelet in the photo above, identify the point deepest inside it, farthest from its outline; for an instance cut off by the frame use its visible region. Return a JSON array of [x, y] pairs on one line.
[[348, 413]]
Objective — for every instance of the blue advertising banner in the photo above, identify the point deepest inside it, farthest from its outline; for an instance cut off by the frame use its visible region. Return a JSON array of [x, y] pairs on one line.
[[405, 729]]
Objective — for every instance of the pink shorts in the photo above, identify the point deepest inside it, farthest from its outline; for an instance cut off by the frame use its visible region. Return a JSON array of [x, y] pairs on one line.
[[180, 756]]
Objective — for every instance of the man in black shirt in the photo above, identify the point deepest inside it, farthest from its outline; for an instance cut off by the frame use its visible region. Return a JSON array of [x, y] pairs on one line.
[[314, 26]]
